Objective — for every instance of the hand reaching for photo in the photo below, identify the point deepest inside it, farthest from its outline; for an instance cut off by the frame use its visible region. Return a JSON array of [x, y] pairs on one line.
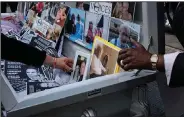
[[65, 64]]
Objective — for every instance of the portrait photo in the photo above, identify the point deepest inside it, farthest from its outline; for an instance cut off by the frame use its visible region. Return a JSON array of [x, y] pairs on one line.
[[96, 25], [121, 32], [37, 81], [80, 67], [123, 10], [104, 58], [75, 25]]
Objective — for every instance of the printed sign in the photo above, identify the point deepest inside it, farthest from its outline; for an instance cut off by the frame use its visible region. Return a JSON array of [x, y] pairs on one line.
[[102, 8]]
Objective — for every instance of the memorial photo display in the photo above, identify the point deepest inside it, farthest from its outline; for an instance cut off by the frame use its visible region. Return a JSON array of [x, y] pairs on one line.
[[94, 32]]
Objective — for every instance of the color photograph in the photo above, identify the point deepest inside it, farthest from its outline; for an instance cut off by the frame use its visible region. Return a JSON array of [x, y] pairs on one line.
[[104, 58], [121, 32], [96, 25], [46, 18], [80, 67], [123, 10], [75, 25]]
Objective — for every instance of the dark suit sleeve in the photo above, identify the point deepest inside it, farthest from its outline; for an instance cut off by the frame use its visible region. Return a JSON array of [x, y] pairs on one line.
[[177, 74], [14, 50]]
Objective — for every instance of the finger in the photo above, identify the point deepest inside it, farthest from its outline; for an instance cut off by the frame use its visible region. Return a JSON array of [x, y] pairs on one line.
[[122, 51], [69, 60], [135, 43], [128, 67], [67, 68], [127, 60]]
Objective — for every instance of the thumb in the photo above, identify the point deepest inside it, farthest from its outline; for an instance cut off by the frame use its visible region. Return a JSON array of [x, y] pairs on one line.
[[67, 68], [135, 43]]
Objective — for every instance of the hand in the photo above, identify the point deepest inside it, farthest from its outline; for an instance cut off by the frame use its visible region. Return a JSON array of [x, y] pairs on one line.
[[64, 63], [134, 58]]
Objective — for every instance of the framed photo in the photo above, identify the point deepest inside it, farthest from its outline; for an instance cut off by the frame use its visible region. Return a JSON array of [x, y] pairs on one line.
[[104, 58], [121, 32], [123, 10], [96, 25], [80, 67]]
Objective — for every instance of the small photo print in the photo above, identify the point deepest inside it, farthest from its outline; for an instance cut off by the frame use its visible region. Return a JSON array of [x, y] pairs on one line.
[[75, 25], [82, 6], [123, 10], [96, 25], [121, 32], [80, 67], [104, 58]]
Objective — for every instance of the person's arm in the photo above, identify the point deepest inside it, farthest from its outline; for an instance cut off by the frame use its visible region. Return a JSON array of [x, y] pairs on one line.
[[14, 50]]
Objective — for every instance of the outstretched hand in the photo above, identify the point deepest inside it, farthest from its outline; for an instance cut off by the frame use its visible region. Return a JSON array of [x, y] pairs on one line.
[[134, 58], [65, 64]]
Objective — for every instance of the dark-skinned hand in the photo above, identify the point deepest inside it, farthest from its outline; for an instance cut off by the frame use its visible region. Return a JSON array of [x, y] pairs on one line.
[[134, 58]]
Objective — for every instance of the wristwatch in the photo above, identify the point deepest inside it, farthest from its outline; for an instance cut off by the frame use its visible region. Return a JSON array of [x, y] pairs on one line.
[[154, 60]]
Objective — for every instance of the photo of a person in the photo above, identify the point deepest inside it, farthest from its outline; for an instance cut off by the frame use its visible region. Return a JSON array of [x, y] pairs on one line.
[[90, 36], [75, 24], [121, 33], [61, 16], [124, 10], [37, 81], [34, 75], [95, 25], [97, 68], [71, 27], [80, 5], [104, 58], [80, 68]]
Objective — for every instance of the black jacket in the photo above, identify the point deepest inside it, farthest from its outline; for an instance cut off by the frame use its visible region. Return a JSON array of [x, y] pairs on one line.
[[14, 50], [177, 74]]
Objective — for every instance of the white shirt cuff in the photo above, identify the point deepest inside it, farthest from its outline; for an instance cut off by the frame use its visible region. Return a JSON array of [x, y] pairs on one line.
[[169, 60]]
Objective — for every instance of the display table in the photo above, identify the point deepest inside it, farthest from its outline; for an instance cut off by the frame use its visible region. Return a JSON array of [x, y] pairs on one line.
[[68, 94]]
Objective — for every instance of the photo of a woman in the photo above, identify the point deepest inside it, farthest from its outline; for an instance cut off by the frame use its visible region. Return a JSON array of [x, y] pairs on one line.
[[80, 68], [90, 36], [61, 17]]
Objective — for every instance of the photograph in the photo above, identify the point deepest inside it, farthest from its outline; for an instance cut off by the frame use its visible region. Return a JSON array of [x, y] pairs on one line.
[[121, 32], [123, 10], [80, 67], [82, 5], [75, 25], [37, 81], [104, 58], [46, 18], [96, 25]]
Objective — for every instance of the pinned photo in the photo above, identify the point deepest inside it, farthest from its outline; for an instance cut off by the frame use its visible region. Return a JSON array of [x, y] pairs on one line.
[[121, 32], [80, 68], [124, 10], [96, 25], [104, 58]]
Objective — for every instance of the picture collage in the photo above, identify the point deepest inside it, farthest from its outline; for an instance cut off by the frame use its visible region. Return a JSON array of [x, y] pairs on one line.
[[102, 35]]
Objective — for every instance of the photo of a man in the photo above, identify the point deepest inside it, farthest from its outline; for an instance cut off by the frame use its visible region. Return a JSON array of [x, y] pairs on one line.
[[121, 33]]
